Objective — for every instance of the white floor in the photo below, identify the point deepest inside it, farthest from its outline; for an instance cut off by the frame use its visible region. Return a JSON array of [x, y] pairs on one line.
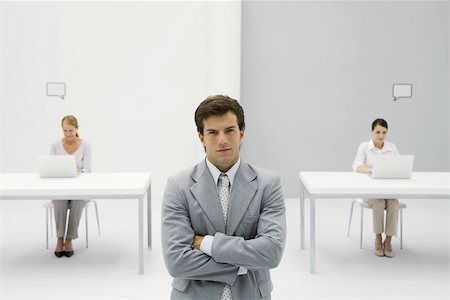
[[109, 268]]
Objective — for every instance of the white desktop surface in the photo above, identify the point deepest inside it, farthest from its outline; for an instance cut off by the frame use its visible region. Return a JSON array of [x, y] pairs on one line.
[[98, 185], [314, 185], [330, 184], [26, 186]]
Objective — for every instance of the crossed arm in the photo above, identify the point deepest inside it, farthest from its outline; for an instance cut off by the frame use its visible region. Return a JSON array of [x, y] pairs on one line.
[[229, 253], [183, 261]]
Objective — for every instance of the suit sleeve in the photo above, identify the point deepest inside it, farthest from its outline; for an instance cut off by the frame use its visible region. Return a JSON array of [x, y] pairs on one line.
[[265, 250], [182, 261]]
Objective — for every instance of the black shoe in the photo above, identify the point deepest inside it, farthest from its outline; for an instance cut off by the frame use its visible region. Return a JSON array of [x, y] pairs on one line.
[[68, 253], [59, 254]]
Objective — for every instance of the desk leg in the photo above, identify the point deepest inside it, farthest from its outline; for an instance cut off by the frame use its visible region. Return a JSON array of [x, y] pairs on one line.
[[149, 217], [312, 235], [141, 234], [302, 216]]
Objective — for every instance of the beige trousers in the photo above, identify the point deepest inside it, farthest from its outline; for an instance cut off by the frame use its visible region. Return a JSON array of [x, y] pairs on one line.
[[76, 209], [378, 207]]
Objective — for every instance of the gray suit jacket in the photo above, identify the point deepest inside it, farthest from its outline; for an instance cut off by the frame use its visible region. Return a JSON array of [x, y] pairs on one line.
[[253, 237]]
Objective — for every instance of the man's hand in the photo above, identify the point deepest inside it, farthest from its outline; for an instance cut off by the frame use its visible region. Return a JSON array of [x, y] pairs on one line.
[[197, 241]]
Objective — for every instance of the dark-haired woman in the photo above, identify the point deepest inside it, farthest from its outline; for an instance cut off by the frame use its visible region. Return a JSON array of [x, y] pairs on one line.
[[363, 163]]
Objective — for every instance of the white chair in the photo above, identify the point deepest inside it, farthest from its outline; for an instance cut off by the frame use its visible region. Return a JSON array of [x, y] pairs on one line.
[[49, 218], [364, 205]]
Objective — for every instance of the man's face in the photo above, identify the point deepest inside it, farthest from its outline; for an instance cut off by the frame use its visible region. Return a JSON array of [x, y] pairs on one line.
[[221, 138]]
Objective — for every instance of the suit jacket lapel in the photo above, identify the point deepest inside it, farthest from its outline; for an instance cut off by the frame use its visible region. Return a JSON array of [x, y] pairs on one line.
[[204, 190], [244, 188]]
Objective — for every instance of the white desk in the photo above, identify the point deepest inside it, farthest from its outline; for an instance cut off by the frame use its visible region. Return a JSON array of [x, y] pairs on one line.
[[314, 185], [25, 186]]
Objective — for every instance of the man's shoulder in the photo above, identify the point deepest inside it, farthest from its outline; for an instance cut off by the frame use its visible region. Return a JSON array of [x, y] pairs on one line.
[[262, 173], [186, 176]]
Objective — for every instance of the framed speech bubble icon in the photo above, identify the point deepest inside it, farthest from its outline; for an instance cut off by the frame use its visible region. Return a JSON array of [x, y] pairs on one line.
[[57, 89], [401, 90]]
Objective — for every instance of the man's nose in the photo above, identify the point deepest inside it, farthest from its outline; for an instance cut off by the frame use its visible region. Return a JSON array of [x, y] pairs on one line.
[[222, 138]]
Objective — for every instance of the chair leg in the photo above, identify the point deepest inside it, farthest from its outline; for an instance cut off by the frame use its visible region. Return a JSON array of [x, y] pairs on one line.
[[46, 227], [361, 231], [86, 219], [51, 221], [98, 222], [350, 218], [401, 229]]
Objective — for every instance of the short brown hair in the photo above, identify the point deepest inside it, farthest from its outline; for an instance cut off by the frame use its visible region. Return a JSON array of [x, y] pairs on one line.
[[218, 105]]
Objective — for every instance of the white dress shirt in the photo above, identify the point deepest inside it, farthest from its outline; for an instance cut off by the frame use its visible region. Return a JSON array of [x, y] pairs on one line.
[[367, 152], [206, 245]]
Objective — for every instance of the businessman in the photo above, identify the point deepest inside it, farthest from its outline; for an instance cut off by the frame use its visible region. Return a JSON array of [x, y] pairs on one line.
[[223, 220]]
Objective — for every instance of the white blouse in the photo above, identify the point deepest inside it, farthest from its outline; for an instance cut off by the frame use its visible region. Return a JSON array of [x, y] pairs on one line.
[[367, 152], [82, 154]]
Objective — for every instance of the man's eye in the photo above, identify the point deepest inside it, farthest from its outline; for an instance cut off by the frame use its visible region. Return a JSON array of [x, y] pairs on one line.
[[212, 132]]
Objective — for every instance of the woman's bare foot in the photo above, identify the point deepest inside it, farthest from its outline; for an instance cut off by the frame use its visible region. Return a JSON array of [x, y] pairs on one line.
[[388, 247], [59, 245], [68, 248], [68, 245], [59, 250]]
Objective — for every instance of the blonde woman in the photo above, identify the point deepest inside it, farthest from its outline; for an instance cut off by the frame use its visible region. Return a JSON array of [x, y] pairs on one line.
[[70, 144], [363, 164]]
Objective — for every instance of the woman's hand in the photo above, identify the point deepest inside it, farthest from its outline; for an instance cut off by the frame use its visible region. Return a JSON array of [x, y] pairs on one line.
[[364, 170]]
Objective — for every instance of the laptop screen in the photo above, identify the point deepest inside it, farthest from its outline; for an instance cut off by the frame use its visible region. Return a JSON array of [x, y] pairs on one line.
[[57, 166], [392, 166]]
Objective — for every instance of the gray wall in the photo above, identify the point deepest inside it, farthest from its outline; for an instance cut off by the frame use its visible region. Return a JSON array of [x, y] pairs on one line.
[[316, 74]]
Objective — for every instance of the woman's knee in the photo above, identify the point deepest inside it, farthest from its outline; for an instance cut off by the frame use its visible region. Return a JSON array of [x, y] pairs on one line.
[[378, 203], [77, 203], [60, 204], [392, 203]]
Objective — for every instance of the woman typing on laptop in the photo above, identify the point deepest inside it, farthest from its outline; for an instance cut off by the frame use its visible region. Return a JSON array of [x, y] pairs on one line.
[[363, 163], [70, 144]]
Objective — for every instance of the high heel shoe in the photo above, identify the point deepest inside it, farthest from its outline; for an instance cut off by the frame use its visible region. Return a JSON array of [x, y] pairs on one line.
[[388, 253], [68, 253], [59, 254], [379, 252]]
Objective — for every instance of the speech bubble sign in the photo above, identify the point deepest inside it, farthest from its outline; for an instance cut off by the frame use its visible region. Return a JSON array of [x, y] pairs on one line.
[[401, 90], [57, 89]]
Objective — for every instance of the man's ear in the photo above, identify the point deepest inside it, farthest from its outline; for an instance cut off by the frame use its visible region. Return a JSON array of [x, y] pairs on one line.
[[242, 134], [201, 138]]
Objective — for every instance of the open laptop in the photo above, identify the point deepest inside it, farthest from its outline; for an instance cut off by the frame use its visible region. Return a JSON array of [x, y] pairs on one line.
[[57, 166], [392, 166]]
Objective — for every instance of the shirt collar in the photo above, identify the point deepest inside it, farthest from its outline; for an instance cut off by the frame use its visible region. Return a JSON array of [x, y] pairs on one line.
[[386, 146], [215, 172]]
